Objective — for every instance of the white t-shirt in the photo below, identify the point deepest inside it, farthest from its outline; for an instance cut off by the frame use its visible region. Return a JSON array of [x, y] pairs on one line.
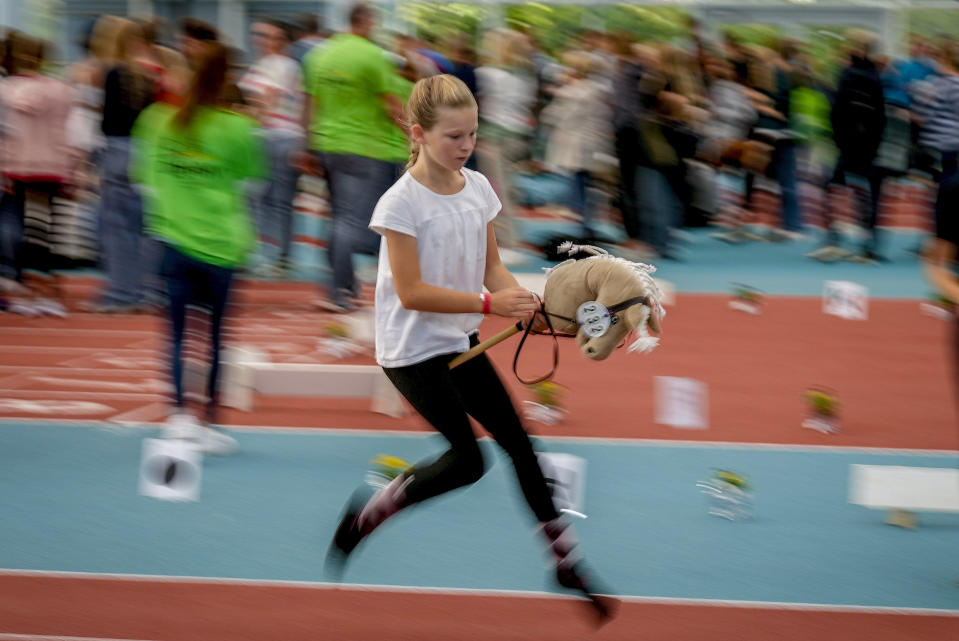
[[280, 73], [450, 233]]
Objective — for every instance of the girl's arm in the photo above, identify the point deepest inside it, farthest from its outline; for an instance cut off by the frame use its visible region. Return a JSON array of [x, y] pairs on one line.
[[511, 301], [499, 279]]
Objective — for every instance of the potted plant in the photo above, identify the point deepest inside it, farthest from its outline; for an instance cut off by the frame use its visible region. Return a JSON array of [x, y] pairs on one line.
[[746, 299], [336, 340], [546, 406], [730, 495], [822, 410]]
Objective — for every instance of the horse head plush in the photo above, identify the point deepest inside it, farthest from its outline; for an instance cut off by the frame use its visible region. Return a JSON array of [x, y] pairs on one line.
[[602, 299]]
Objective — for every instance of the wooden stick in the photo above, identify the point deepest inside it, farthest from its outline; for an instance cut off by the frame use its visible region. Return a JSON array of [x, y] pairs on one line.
[[485, 345]]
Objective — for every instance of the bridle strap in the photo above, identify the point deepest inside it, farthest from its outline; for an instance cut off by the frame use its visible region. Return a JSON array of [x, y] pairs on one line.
[[551, 332], [618, 307]]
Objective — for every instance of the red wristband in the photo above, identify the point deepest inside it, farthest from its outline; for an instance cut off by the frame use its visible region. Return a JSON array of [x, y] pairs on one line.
[[487, 299]]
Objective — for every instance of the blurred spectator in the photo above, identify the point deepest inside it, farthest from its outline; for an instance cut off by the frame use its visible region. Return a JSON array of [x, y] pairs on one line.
[[36, 162], [940, 129], [664, 142], [626, 113], [193, 159], [408, 47], [355, 112], [428, 49], [87, 77], [272, 88], [770, 77], [168, 66], [306, 35], [463, 57], [858, 120], [507, 88], [581, 120], [194, 33], [130, 86]]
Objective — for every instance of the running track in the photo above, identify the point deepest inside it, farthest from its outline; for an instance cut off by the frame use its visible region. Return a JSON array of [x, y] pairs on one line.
[[88, 558]]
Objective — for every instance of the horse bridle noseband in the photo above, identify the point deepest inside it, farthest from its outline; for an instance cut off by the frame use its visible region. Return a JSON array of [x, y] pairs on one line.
[[610, 312]]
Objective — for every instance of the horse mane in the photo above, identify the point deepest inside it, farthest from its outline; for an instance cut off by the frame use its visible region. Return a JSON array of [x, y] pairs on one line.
[[642, 272]]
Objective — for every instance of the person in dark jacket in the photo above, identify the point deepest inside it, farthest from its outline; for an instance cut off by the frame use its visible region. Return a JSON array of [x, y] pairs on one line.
[[858, 120]]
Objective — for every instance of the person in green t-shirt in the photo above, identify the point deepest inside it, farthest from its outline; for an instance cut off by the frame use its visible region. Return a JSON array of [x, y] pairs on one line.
[[193, 160], [355, 120]]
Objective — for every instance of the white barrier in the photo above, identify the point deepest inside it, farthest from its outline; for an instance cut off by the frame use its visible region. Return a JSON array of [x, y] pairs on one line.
[[248, 372], [904, 490]]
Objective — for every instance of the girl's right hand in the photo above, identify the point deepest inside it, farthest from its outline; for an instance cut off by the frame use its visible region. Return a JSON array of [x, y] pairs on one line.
[[513, 302]]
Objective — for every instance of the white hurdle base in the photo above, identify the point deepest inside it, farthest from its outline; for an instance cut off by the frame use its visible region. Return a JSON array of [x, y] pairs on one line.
[[903, 491], [248, 372]]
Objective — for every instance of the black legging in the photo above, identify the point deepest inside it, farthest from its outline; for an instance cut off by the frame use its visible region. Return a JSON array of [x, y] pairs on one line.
[[446, 398]]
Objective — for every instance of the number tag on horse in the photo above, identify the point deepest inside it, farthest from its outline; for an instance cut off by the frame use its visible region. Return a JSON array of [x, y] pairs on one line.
[[593, 318]]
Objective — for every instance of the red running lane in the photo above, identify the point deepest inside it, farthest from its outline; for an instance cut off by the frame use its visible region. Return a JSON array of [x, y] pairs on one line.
[[169, 611], [893, 373]]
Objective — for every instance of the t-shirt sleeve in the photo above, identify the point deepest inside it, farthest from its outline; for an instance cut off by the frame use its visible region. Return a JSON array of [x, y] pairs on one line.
[[947, 211], [494, 206], [392, 213]]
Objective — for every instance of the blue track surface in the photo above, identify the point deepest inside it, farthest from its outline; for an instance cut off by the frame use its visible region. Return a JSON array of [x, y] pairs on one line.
[[70, 503], [711, 266]]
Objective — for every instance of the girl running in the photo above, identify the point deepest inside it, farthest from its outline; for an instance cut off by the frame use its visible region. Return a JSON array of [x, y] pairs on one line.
[[438, 252]]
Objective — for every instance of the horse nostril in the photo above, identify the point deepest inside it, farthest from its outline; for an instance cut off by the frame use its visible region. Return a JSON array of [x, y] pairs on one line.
[[590, 350]]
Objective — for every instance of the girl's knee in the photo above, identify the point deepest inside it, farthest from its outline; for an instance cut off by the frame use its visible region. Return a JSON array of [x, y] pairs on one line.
[[472, 466]]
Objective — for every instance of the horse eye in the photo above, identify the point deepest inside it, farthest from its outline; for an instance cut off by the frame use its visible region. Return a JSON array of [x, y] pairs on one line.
[[613, 320]]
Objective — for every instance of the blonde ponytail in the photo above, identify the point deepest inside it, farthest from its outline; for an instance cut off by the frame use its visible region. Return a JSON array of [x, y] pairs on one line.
[[429, 94], [414, 154]]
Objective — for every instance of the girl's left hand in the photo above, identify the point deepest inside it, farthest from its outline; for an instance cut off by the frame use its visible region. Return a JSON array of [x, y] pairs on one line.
[[537, 317]]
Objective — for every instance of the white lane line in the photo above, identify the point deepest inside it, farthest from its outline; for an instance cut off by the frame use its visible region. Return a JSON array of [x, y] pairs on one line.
[[61, 394], [79, 371], [9, 636], [364, 587], [107, 356], [72, 349], [596, 440]]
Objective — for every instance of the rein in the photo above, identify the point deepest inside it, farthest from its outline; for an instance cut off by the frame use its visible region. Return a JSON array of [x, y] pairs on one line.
[[629, 302]]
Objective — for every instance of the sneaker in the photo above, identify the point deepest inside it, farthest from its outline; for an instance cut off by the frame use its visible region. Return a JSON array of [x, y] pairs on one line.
[[785, 235], [8, 286], [865, 258], [828, 253], [217, 442], [573, 577], [868, 257], [208, 440], [734, 236], [341, 303], [50, 307], [348, 534], [182, 425], [24, 308], [334, 307]]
